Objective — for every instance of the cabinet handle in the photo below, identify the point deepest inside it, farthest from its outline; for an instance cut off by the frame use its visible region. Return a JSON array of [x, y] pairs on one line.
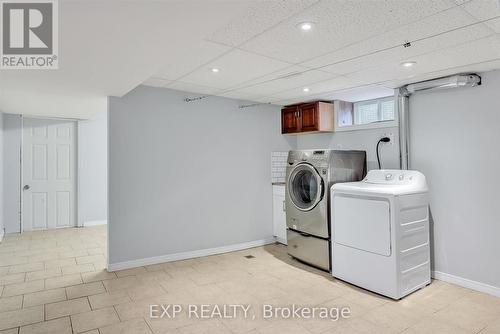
[[284, 206]]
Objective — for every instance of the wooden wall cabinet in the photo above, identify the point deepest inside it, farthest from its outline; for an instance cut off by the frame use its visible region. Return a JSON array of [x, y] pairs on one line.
[[307, 118]]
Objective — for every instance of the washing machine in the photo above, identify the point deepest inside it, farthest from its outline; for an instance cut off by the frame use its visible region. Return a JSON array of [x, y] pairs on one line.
[[381, 232], [309, 175]]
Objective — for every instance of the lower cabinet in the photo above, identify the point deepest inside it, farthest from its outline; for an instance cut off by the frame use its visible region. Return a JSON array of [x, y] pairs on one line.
[[279, 216]]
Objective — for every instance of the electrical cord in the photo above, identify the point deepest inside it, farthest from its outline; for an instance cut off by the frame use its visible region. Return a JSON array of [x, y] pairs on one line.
[[381, 140]]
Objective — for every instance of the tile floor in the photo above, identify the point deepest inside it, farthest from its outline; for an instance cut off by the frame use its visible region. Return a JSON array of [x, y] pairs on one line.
[[55, 282]]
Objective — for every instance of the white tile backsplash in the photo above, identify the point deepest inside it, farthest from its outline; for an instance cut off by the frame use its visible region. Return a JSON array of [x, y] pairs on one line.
[[278, 166]]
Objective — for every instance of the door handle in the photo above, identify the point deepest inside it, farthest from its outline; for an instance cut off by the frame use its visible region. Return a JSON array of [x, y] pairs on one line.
[[26, 187], [284, 206]]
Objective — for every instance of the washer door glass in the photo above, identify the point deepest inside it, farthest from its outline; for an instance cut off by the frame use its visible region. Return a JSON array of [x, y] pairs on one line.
[[305, 186]]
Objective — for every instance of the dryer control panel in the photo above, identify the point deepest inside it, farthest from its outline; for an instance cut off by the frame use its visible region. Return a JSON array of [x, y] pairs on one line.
[[394, 176]]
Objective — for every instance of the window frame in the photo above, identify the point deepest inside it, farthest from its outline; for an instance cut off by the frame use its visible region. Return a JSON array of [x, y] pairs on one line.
[[375, 125]]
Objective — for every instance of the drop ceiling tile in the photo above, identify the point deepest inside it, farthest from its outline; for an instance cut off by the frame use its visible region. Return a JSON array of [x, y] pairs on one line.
[[193, 88], [234, 68], [181, 61], [294, 77], [495, 25], [338, 24], [259, 17], [482, 9], [469, 53], [321, 87], [351, 59], [362, 93], [238, 95], [156, 82]]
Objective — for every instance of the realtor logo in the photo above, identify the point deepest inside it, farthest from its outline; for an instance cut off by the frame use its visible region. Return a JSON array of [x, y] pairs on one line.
[[29, 34]]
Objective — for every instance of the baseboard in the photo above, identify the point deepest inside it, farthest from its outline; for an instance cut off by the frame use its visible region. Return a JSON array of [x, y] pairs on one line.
[[467, 283], [94, 223], [188, 255], [281, 240]]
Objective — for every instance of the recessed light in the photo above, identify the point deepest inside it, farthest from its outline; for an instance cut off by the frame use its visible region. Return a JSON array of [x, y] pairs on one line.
[[408, 63], [306, 26], [305, 89], [215, 70]]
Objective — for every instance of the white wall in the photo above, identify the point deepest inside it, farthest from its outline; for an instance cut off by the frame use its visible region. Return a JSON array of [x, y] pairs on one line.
[[454, 142], [188, 176], [358, 140], [92, 170], [11, 172]]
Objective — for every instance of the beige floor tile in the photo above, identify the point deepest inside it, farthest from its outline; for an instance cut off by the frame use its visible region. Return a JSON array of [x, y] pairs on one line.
[[44, 297], [90, 259], [43, 274], [212, 326], [492, 328], [59, 263], [136, 326], [23, 288], [12, 278], [65, 308], [97, 276], [108, 299], [25, 316], [430, 325], [130, 272], [23, 268], [79, 268], [63, 281], [94, 319], [11, 303], [120, 283], [271, 277], [12, 331], [145, 291], [467, 315], [85, 289], [57, 326], [131, 310]]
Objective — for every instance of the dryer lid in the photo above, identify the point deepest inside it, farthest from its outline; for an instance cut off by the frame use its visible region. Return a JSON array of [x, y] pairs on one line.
[[387, 181]]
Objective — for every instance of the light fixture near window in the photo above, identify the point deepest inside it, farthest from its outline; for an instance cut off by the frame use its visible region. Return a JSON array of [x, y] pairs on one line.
[[214, 70], [305, 89]]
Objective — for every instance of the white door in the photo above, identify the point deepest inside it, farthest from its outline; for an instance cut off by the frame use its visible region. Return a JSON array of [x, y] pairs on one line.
[[49, 174]]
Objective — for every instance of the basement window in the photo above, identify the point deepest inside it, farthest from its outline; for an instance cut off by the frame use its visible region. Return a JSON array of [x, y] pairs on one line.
[[377, 113]]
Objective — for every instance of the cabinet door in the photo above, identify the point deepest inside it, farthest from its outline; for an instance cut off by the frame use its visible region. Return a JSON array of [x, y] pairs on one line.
[[279, 218], [289, 117], [309, 117]]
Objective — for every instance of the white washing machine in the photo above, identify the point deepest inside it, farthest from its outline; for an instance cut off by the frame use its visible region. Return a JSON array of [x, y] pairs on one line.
[[380, 232]]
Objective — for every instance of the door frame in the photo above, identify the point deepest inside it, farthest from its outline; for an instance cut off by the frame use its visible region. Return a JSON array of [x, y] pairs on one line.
[[21, 165]]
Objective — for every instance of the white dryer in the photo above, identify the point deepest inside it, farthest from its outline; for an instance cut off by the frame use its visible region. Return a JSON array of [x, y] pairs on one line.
[[380, 232]]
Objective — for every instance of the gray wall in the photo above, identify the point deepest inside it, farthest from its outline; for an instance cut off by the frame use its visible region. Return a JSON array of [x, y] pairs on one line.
[[188, 176], [454, 139], [358, 140], [11, 172], [92, 168]]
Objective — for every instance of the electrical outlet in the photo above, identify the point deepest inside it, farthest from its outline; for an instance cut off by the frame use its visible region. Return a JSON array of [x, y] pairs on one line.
[[391, 137]]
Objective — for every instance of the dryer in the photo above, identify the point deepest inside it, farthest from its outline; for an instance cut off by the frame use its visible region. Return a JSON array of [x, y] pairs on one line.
[[309, 176], [381, 232]]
